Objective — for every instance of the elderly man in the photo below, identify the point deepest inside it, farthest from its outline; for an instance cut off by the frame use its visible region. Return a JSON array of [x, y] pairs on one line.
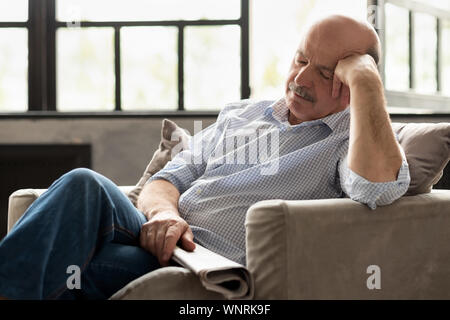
[[333, 138]]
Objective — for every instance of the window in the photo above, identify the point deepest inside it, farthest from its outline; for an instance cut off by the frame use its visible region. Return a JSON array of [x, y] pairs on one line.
[[416, 80], [116, 55], [14, 55], [214, 77], [196, 55], [417, 57], [149, 73], [85, 69], [151, 47]]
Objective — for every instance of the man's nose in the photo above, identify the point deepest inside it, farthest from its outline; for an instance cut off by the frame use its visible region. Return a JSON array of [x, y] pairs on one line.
[[304, 77]]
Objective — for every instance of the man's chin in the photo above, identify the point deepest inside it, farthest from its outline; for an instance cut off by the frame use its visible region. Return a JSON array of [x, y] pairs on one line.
[[302, 111], [299, 105], [297, 114]]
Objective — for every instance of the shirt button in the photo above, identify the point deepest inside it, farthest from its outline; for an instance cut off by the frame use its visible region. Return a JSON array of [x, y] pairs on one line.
[[199, 191], [288, 128]]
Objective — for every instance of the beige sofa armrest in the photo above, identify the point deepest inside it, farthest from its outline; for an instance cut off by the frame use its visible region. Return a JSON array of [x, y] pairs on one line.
[[18, 203], [169, 283], [20, 200], [321, 249]]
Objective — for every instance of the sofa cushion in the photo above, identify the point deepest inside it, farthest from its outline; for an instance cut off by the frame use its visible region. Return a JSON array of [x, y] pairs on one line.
[[427, 150], [174, 139]]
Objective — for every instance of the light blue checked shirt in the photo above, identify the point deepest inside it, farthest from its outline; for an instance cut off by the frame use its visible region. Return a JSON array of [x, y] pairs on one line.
[[252, 153]]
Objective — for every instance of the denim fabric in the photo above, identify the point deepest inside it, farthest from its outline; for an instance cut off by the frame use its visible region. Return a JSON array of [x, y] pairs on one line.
[[83, 219]]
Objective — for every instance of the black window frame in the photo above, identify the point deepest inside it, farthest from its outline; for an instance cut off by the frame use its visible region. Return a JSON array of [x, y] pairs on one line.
[[433, 103], [42, 26]]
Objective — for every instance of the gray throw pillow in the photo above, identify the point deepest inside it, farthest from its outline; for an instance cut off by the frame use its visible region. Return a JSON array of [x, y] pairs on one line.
[[427, 150], [173, 140]]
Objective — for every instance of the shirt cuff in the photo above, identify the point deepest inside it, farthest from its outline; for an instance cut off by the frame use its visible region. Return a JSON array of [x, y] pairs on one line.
[[375, 194]]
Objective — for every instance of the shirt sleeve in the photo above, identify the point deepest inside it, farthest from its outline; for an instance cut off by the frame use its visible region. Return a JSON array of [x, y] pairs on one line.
[[188, 165], [373, 194]]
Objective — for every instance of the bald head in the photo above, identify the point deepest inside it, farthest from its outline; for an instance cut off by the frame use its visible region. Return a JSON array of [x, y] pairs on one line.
[[347, 35]]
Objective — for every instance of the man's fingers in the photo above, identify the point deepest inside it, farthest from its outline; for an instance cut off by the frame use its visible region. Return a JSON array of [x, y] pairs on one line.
[[187, 240], [345, 95], [172, 236], [151, 235], [160, 236], [160, 239], [143, 237], [336, 87]]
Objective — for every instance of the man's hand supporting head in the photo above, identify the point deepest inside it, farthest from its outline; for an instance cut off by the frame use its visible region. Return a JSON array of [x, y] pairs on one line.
[[164, 228], [351, 49], [373, 150]]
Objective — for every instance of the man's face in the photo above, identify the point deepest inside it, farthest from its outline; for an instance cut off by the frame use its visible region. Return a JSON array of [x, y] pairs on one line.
[[310, 79]]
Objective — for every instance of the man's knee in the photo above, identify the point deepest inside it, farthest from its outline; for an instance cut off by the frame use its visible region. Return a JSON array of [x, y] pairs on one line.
[[81, 176]]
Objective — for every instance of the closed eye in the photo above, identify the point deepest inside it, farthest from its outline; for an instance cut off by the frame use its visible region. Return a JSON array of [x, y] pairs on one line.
[[302, 62], [325, 76]]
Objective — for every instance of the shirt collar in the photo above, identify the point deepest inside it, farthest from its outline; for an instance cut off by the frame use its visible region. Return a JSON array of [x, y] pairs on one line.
[[335, 121], [280, 110]]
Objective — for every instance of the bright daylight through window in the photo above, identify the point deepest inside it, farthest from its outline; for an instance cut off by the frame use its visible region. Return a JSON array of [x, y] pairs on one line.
[[169, 55]]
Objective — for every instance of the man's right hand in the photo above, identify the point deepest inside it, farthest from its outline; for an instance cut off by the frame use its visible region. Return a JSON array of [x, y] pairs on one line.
[[161, 233]]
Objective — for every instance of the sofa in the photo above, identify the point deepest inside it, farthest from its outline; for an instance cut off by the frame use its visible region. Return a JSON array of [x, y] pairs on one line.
[[321, 249], [330, 248]]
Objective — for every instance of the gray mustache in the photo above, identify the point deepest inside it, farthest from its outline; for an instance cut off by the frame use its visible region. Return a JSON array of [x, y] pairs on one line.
[[300, 91]]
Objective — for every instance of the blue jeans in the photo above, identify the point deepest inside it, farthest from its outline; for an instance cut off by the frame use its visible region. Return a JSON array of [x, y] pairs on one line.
[[82, 220]]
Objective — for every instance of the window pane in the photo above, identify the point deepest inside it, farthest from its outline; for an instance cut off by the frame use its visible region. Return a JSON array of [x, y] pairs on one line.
[[141, 10], [13, 10], [396, 48], [13, 69], [440, 4], [149, 63], [276, 32], [425, 53], [212, 66], [85, 69], [445, 52]]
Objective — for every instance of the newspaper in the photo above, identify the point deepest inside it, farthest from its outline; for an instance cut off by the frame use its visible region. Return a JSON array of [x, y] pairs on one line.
[[216, 272]]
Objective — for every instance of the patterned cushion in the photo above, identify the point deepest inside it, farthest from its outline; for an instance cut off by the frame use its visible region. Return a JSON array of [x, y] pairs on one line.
[[173, 140]]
